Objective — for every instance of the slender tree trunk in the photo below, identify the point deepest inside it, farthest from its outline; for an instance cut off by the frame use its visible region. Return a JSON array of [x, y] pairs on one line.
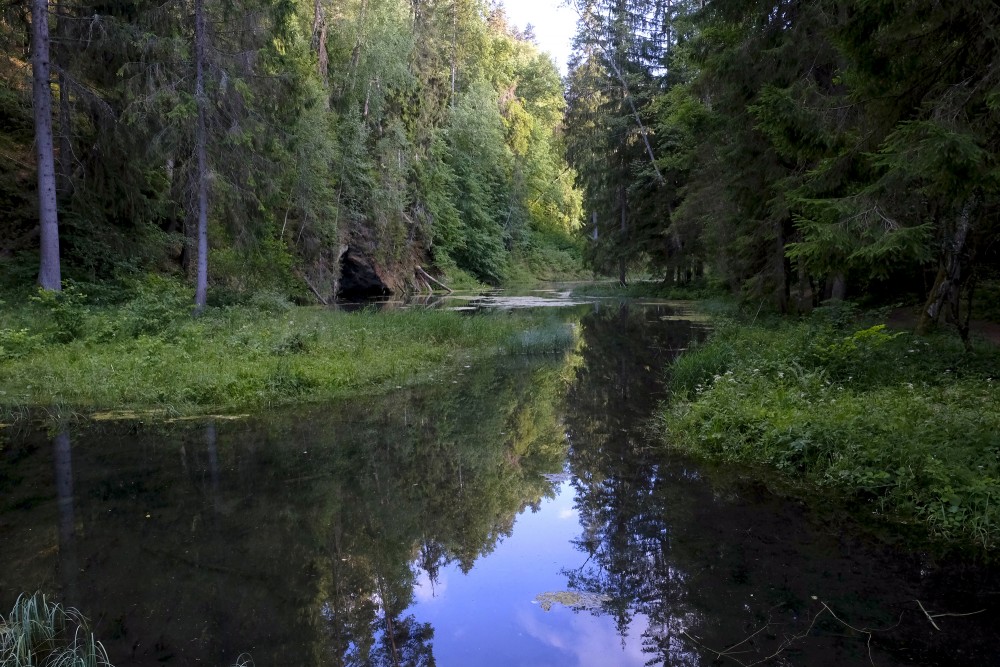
[[454, 48], [622, 264], [319, 35], [65, 120], [201, 140], [948, 284], [49, 276], [65, 132]]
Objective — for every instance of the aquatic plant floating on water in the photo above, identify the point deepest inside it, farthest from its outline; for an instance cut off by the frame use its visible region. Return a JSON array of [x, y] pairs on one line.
[[573, 599]]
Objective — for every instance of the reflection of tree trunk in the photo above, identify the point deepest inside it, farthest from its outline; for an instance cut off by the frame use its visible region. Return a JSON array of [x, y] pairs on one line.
[[213, 462], [62, 455], [948, 282], [390, 631]]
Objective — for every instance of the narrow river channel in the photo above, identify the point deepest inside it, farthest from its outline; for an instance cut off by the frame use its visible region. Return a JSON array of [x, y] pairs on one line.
[[516, 511]]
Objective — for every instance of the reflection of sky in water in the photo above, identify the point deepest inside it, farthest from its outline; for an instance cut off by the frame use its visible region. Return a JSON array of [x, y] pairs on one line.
[[489, 617]]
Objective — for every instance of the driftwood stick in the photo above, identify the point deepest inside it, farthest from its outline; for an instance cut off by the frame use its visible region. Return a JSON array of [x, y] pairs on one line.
[[421, 272], [315, 291]]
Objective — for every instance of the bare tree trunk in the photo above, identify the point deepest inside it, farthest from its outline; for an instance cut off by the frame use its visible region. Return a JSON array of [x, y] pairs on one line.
[[49, 276], [319, 35], [201, 141], [65, 132], [622, 264], [65, 120], [454, 48], [948, 283]]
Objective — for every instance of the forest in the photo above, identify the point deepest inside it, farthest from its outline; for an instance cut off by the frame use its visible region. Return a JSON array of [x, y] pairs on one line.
[[309, 148], [786, 151], [187, 185], [796, 151]]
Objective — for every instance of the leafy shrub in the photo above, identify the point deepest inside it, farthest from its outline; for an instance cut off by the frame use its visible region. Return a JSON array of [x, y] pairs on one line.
[[16, 343], [157, 308], [66, 310]]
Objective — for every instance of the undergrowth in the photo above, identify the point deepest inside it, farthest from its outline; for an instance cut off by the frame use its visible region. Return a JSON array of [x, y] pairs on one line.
[[907, 426], [63, 353]]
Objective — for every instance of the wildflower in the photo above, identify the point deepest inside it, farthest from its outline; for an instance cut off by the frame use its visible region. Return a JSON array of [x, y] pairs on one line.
[[781, 374]]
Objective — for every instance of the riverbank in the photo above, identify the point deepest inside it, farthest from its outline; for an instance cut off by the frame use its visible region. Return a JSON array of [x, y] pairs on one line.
[[907, 427], [67, 354]]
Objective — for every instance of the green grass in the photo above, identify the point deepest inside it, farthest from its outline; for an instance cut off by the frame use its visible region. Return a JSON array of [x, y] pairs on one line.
[[41, 633], [908, 427], [148, 353]]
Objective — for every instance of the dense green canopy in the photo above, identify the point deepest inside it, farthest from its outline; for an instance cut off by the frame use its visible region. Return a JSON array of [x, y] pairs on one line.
[[412, 133], [799, 149]]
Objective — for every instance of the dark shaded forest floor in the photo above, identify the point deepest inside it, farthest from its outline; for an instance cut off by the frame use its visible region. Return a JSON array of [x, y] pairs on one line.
[[906, 318]]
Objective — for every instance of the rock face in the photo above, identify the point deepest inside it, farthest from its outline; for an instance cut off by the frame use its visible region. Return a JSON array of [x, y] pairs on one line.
[[360, 278]]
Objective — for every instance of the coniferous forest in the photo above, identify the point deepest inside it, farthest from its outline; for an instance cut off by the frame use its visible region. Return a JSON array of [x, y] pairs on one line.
[[185, 185], [793, 151], [799, 150]]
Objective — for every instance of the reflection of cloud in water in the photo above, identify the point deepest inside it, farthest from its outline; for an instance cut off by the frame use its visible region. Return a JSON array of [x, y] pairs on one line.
[[425, 591], [567, 514], [591, 640]]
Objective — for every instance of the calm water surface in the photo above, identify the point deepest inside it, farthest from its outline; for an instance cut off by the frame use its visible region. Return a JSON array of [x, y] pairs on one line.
[[514, 513]]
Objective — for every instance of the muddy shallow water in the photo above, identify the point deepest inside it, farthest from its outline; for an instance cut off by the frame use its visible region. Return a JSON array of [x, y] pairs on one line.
[[515, 513]]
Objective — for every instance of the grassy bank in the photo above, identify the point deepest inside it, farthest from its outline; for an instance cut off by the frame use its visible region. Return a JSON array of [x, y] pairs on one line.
[[907, 426], [69, 354]]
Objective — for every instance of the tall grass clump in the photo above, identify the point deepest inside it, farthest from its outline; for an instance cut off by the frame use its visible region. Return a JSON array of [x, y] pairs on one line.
[[41, 633], [906, 426]]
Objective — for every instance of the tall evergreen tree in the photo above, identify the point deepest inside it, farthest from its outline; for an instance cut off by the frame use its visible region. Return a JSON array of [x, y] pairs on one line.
[[48, 217]]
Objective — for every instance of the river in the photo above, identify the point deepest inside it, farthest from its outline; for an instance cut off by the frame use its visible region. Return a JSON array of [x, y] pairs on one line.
[[519, 511]]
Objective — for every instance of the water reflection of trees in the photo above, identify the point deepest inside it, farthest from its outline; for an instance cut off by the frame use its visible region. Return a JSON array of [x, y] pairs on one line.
[[296, 539], [626, 535], [712, 560]]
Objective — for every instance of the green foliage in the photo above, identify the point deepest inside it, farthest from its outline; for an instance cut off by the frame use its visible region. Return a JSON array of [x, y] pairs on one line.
[[18, 343], [904, 425], [66, 310]]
